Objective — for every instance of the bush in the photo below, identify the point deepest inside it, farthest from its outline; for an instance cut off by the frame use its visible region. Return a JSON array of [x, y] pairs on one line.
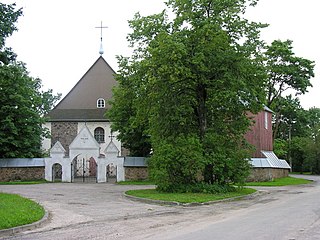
[[199, 188], [175, 163]]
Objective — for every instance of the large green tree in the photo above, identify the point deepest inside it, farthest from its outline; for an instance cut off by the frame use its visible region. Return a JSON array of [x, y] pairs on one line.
[[190, 84], [22, 102], [286, 71]]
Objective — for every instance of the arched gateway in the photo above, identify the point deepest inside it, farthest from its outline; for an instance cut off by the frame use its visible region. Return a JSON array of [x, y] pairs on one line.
[[84, 159]]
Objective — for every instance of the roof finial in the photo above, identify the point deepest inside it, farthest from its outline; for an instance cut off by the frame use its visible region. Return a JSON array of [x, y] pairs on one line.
[[101, 47]]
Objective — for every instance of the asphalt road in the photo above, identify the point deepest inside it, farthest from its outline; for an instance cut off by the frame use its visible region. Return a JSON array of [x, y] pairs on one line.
[[100, 211]]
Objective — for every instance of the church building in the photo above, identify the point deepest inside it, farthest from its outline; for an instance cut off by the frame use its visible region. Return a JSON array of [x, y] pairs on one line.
[[85, 105]]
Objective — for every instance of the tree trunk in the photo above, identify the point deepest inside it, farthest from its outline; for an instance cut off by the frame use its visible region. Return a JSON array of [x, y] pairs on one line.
[[201, 110]]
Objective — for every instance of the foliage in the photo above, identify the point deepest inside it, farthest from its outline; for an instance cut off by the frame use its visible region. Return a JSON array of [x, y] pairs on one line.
[[290, 118], [298, 136], [132, 130], [189, 86], [18, 211], [280, 148], [136, 182], [22, 102], [280, 182], [286, 71], [189, 197], [176, 162], [299, 153], [8, 17]]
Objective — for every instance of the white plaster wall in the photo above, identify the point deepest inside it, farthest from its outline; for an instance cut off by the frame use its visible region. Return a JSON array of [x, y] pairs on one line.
[[46, 142], [107, 130]]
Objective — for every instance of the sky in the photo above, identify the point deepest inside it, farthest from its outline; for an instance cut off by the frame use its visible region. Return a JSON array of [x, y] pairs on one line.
[[59, 41]]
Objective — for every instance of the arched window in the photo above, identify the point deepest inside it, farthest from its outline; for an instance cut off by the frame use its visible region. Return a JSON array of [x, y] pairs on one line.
[[99, 134], [101, 103]]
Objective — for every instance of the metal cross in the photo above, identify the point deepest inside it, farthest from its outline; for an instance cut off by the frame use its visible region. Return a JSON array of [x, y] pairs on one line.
[[111, 136], [101, 48], [101, 27]]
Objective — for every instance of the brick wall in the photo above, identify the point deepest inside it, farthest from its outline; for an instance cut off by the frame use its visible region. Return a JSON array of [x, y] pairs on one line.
[[136, 173], [267, 174], [21, 173], [65, 132]]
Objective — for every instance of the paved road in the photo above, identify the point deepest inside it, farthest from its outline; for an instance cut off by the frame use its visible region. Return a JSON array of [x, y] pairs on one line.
[[100, 211]]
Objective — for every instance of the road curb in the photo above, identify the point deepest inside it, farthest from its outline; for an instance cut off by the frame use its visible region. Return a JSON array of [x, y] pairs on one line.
[[169, 203], [30, 226]]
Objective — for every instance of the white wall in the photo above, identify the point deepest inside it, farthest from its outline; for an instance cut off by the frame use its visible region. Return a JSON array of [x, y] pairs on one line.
[[107, 131]]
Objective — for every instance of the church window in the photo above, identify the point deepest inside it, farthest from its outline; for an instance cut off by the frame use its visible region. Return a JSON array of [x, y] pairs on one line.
[[101, 103], [99, 134]]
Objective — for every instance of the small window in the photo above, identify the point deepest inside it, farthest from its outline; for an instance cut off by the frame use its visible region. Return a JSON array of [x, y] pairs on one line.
[[99, 134], [101, 103], [266, 120]]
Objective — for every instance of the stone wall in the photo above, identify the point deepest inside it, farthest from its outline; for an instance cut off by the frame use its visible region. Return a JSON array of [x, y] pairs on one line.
[[64, 132], [267, 174], [136, 173], [21, 173]]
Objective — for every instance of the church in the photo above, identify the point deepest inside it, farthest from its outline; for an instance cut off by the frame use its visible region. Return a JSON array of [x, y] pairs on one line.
[[85, 105]]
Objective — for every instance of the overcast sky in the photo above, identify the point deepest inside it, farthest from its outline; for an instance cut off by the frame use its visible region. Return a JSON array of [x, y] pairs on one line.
[[59, 42]]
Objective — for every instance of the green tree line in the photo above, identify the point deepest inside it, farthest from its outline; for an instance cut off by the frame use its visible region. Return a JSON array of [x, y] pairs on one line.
[[23, 103]]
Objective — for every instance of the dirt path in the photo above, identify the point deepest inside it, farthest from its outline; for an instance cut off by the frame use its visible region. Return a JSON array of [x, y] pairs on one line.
[[100, 211]]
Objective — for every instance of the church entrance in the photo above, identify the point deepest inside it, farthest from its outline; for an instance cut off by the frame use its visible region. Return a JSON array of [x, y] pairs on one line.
[[84, 169], [56, 172], [111, 171]]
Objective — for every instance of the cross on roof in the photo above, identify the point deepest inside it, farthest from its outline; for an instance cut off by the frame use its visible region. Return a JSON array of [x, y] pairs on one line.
[[101, 48], [111, 136]]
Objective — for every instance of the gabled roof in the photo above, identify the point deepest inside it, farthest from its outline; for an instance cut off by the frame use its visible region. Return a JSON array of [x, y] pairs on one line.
[[80, 104]]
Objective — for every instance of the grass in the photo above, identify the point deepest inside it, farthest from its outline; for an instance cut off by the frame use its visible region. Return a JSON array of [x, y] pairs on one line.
[[302, 173], [17, 211], [23, 182], [280, 182], [187, 197], [141, 182]]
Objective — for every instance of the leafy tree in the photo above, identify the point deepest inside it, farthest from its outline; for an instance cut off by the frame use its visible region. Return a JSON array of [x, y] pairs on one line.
[[313, 150], [290, 118], [132, 132], [286, 71], [8, 16], [299, 150], [298, 136], [280, 148], [192, 80], [22, 102]]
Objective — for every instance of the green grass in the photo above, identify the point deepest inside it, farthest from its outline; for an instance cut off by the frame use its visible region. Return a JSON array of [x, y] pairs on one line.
[[142, 182], [23, 182], [17, 211], [303, 173], [187, 197], [280, 182]]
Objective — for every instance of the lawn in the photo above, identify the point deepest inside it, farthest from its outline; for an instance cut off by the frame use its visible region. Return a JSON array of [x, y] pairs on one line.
[[17, 211], [280, 182], [187, 197], [141, 182]]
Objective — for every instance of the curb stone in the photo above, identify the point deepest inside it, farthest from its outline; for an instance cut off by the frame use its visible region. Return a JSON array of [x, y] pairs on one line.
[[193, 204], [30, 226]]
